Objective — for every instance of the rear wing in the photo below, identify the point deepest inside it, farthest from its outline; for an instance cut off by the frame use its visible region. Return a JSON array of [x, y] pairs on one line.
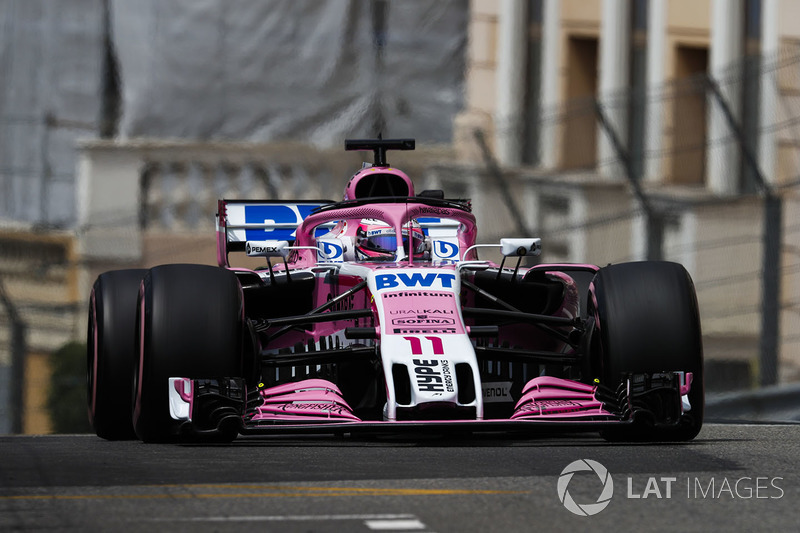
[[240, 221]]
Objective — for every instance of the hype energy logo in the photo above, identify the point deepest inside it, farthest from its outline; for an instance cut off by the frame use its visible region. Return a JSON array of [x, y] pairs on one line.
[[605, 487]]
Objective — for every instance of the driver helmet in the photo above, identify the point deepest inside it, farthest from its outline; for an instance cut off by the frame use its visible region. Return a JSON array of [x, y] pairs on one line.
[[376, 240]]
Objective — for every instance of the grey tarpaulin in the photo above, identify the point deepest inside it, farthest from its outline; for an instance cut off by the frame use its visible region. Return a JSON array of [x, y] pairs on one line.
[[256, 70], [288, 68], [50, 67]]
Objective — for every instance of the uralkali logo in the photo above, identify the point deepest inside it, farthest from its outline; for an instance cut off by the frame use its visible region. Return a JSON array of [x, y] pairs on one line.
[[586, 509]]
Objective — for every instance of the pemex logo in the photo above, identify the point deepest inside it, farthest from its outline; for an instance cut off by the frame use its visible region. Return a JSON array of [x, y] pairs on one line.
[[586, 509]]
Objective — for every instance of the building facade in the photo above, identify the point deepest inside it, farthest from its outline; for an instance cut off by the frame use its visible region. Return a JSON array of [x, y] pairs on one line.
[[637, 129]]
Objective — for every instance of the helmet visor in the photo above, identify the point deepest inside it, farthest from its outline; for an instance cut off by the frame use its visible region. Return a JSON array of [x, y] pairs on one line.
[[382, 243], [417, 242], [388, 243]]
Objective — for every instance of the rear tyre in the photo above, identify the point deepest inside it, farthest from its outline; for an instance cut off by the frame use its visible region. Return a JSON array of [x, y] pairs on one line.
[[190, 325], [648, 321], [111, 352]]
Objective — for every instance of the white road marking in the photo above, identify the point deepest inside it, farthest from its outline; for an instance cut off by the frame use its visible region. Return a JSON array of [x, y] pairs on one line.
[[394, 525], [292, 518]]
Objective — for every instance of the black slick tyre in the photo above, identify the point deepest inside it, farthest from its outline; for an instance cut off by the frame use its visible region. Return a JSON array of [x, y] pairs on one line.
[[647, 321], [111, 352], [189, 325]]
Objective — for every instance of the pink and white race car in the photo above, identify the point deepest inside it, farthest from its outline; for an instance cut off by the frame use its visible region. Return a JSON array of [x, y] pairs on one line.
[[377, 314]]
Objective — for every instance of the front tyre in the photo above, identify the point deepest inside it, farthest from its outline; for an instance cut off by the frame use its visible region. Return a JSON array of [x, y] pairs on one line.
[[111, 352], [648, 321], [190, 320]]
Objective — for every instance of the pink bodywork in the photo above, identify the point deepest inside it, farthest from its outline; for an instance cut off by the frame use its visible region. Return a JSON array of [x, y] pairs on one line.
[[556, 398], [350, 188], [320, 400], [394, 214], [310, 400]]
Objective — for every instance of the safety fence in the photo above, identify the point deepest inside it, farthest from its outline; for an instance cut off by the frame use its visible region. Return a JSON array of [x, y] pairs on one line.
[[694, 176]]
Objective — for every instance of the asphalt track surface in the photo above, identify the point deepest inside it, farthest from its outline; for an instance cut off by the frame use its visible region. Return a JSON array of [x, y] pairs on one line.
[[732, 477]]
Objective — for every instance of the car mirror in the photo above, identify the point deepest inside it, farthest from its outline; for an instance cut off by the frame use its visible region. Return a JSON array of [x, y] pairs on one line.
[[520, 247]]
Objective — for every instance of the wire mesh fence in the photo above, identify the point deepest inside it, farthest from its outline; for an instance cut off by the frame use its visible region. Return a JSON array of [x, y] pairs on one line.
[[710, 175], [685, 156]]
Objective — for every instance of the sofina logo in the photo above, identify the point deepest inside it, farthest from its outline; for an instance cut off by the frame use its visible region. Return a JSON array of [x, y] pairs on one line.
[[587, 509]]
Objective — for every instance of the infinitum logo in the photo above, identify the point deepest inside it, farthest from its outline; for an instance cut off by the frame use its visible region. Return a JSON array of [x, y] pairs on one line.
[[586, 509]]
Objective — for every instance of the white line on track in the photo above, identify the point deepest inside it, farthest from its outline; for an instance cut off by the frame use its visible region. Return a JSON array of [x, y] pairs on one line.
[[394, 525], [292, 518]]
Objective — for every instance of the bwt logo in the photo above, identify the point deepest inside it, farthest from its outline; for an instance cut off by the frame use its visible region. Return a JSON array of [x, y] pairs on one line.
[[586, 509], [292, 214], [417, 279]]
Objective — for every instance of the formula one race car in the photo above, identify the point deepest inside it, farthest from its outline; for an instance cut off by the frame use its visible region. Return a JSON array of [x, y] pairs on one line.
[[376, 314]]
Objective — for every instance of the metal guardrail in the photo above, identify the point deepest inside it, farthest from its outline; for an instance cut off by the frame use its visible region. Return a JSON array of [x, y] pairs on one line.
[[779, 403]]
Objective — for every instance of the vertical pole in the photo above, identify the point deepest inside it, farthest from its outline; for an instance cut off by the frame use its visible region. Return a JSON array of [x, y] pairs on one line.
[[532, 90], [722, 158], [510, 81], [771, 290], [771, 258], [657, 21], [379, 10], [655, 237], [44, 182], [613, 78], [551, 78], [19, 350], [17, 390], [110, 90]]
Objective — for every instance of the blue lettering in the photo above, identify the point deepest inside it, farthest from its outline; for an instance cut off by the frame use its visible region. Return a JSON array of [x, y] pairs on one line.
[[447, 280], [278, 214], [417, 279], [260, 214], [306, 209], [385, 281]]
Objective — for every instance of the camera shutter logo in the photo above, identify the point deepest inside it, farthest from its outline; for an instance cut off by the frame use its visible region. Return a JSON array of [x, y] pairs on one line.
[[587, 509]]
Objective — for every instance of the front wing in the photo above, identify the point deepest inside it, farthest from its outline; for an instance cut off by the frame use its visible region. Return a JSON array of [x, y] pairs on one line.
[[547, 404]]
